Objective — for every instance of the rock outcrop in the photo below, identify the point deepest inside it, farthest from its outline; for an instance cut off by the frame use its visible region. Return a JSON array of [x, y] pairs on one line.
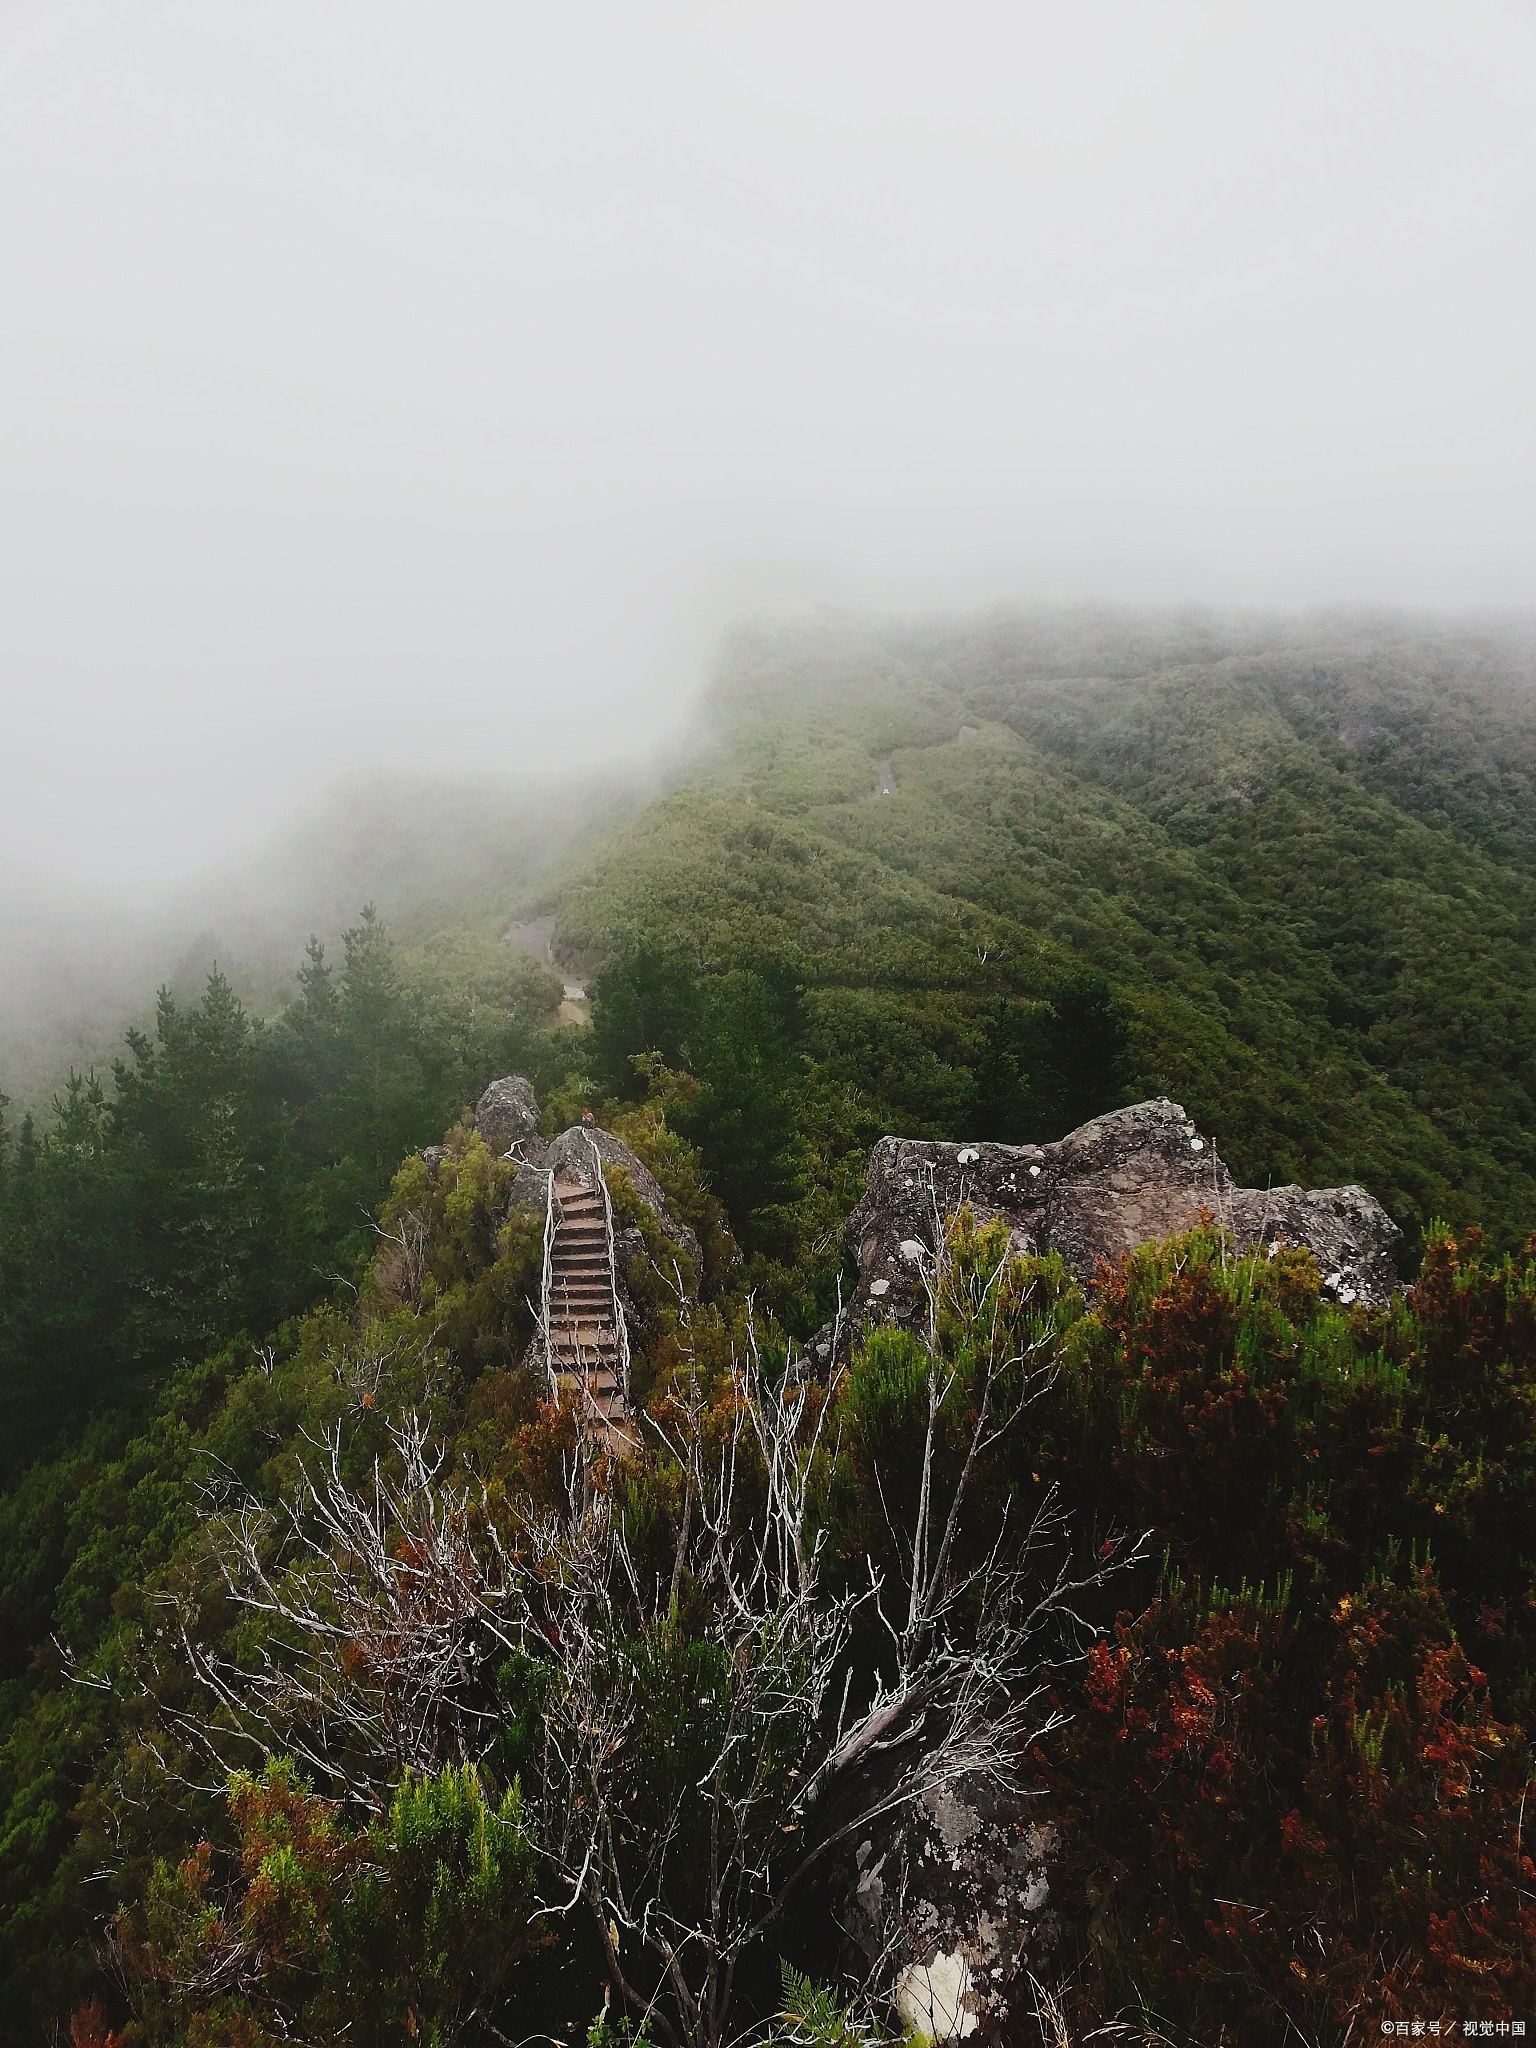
[[1121, 1181], [957, 1889], [507, 1114], [507, 1117], [571, 1154], [586, 1315]]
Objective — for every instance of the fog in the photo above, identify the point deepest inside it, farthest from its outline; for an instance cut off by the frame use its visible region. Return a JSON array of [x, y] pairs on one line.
[[421, 388]]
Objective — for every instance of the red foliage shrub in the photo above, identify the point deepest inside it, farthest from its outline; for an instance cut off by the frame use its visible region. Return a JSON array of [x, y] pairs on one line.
[[1323, 1831], [88, 2028]]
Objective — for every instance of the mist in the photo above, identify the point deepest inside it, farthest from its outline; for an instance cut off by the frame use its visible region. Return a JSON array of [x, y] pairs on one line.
[[399, 390], [767, 1021]]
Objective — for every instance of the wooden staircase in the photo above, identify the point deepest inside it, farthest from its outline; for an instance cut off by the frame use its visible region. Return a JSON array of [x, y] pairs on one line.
[[587, 1352]]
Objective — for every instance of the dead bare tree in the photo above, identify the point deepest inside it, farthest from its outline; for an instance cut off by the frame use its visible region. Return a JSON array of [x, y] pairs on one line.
[[680, 1886], [400, 1269], [780, 1763], [709, 1734], [377, 1611]]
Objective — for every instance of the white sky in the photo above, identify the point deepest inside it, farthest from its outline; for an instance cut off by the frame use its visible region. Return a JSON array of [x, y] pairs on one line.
[[421, 386]]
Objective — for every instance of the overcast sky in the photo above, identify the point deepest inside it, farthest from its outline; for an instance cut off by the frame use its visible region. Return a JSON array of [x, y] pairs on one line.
[[421, 386]]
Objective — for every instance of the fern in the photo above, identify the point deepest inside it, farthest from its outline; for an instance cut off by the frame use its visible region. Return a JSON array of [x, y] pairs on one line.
[[811, 2017]]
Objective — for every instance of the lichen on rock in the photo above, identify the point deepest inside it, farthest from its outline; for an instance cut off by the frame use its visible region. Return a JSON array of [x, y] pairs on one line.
[[956, 1890], [507, 1114], [1121, 1181]]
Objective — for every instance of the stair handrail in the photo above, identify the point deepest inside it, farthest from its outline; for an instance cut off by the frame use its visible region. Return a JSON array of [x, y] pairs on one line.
[[547, 1285], [620, 1327]]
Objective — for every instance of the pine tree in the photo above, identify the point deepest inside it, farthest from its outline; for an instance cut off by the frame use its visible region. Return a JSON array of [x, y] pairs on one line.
[[191, 1127]]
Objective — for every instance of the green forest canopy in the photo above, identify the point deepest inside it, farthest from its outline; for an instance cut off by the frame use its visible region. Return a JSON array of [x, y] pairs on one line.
[[1298, 864]]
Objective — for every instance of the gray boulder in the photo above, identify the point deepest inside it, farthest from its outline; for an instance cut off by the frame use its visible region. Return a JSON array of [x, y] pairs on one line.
[[1346, 1230], [952, 1897], [1121, 1181], [507, 1114]]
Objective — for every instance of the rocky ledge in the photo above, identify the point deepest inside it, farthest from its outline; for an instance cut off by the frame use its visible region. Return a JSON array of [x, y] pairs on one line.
[[1121, 1181]]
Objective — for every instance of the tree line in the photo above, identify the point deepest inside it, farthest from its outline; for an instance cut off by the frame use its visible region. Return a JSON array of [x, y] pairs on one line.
[[229, 1170]]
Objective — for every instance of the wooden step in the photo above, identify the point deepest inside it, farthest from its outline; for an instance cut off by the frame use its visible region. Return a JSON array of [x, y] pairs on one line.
[[594, 1411], [584, 1341], [580, 1383]]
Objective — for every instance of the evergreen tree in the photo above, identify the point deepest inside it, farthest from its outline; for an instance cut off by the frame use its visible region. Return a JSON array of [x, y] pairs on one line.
[[197, 1146], [382, 1095], [65, 1271], [645, 1001], [1085, 1053], [744, 1049]]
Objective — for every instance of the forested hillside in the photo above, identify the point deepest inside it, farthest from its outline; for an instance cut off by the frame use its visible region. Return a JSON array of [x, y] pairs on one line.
[[226, 1173], [1284, 872], [320, 1646]]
